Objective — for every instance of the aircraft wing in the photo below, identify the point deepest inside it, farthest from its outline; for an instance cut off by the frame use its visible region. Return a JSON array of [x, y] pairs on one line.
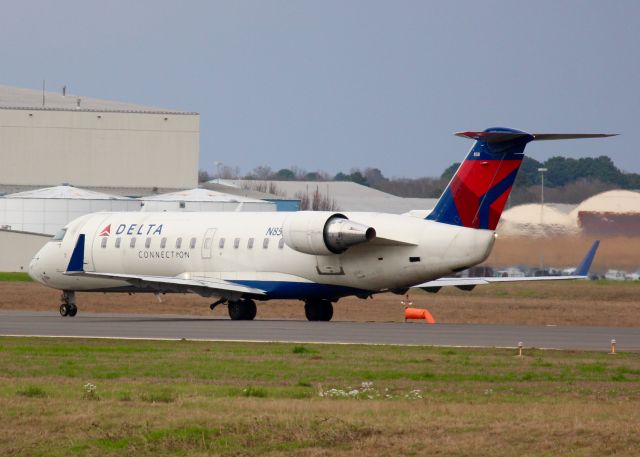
[[175, 283], [202, 285], [582, 272]]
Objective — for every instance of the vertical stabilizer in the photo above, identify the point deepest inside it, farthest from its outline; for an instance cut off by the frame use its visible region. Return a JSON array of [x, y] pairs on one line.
[[479, 190]]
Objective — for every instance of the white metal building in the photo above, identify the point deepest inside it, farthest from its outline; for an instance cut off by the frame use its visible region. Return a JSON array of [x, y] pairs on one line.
[[48, 210], [203, 200], [49, 138], [347, 195]]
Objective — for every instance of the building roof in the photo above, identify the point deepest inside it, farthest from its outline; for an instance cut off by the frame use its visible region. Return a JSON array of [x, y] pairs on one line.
[[68, 192], [612, 201], [532, 219], [201, 195], [347, 195], [19, 98]]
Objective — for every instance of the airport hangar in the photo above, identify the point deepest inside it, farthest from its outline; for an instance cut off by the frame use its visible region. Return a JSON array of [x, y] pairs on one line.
[[64, 155]]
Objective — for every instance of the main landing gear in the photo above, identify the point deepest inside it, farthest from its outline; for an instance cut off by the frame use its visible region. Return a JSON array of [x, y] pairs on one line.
[[242, 310], [68, 306], [318, 310]]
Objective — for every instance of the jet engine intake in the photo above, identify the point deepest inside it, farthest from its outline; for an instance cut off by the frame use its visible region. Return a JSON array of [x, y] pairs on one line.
[[324, 233]]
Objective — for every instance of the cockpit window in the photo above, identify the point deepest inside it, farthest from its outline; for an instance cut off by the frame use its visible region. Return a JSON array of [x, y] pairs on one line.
[[60, 235]]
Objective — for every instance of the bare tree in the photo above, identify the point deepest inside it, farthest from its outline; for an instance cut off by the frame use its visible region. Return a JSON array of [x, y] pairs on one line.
[[317, 201]]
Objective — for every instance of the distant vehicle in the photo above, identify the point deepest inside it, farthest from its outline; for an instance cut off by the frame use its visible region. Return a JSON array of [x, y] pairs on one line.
[[317, 257], [511, 272], [632, 276], [615, 275]]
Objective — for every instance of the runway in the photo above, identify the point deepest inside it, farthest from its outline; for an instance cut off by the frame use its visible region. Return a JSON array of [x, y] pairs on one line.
[[137, 326]]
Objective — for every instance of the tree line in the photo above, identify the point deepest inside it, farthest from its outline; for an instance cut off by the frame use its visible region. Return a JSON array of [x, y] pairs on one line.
[[566, 180]]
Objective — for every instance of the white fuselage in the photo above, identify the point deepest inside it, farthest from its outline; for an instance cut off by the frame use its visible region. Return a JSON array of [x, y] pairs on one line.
[[248, 248]]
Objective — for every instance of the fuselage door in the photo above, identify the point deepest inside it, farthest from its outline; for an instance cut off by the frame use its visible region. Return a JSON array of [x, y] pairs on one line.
[[329, 265], [207, 243]]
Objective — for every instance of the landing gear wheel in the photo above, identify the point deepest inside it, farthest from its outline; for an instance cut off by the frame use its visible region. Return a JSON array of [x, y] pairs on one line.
[[320, 310], [68, 306], [64, 310], [242, 310]]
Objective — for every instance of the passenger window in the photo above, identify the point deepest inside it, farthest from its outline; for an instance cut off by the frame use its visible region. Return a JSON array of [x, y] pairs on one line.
[[250, 243], [178, 243], [147, 243], [163, 243], [221, 243], [281, 243], [118, 242], [236, 243], [207, 243], [104, 242], [192, 244], [265, 243], [132, 243]]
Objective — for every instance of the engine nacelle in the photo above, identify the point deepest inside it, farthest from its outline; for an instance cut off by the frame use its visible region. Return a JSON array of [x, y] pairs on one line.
[[323, 233]]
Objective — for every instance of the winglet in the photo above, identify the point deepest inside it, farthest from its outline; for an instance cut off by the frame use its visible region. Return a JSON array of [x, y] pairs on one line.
[[585, 265], [76, 264]]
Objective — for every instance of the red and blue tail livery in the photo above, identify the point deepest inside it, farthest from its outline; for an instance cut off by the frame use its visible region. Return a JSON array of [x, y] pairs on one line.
[[479, 190]]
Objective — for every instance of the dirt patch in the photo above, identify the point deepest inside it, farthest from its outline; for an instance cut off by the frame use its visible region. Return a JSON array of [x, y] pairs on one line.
[[566, 251], [559, 303]]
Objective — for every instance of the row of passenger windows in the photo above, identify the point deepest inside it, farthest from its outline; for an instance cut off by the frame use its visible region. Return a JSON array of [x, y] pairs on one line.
[[192, 243]]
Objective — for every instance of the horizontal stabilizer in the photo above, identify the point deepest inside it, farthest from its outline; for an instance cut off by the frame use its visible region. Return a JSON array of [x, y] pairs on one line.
[[501, 137]]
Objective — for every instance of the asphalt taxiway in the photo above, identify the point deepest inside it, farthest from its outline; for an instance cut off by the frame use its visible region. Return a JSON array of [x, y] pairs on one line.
[[137, 326]]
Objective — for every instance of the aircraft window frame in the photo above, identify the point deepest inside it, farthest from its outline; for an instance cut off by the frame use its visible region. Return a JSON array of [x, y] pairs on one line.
[[118, 241], [60, 234], [178, 242], [207, 243], [221, 243], [265, 243], [192, 243], [163, 242], [281, 243], [250, 243], [132, 243], [147, 242], [103, 243], [236, 243]]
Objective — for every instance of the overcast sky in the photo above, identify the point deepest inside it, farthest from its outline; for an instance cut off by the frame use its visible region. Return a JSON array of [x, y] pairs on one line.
[[332, 85]]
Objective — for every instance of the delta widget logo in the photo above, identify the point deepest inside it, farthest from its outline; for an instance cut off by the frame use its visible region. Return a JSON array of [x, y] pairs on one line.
[[106, 231]]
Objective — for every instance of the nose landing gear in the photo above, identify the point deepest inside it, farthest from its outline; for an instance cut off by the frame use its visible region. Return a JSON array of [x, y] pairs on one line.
[[68, 306]]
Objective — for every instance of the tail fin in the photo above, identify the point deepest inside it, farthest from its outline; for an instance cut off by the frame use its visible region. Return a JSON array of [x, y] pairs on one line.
[[479, 190]]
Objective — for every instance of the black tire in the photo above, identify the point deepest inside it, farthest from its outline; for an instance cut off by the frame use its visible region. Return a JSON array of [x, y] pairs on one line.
[[242, 310], [327, 311], [311, 311], [320, 310], [73, 310], [64, 310], [250, 310], [235, 310]]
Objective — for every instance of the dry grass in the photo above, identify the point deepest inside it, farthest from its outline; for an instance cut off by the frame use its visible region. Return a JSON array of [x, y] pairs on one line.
[[614, 252], [560, 303]]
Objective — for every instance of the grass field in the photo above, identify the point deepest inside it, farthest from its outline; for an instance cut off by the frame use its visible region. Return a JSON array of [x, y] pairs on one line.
[[11, 277], [62, 397]]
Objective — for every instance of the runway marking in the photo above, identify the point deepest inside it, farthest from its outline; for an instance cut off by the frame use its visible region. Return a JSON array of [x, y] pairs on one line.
[[342, 343]]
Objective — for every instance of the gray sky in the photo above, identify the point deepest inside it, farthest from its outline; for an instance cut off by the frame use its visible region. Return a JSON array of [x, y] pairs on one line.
[[331, 85]]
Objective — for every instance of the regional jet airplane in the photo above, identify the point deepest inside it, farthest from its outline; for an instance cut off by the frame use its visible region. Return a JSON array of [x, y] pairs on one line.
[[316, 257]]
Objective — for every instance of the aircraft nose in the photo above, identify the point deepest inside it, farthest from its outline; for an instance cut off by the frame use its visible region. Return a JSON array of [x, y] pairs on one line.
[[35, 268]]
